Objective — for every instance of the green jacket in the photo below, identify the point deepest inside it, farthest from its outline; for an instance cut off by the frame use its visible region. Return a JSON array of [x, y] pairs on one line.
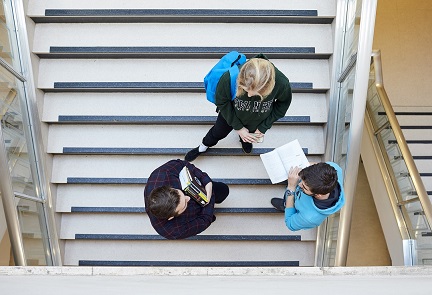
[[251, 112]]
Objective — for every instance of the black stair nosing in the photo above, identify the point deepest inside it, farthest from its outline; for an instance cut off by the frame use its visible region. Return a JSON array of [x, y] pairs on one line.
[[179, 52], [193, 238], [309, 56], [183, 120], [218, 51], [165, 151], [108, 180], [405, 127], [409, 113], [159, 90], [422, 157], [308, 20], [277, 263], [76, 209], [172, 52], [412, 141], [179, 12], [414, 158], [181, 16], [164, 87], [153, 85], [426, 234]]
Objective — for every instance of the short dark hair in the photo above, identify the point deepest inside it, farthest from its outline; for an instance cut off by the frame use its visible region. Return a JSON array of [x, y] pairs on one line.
[[163, 202], [321, 178]]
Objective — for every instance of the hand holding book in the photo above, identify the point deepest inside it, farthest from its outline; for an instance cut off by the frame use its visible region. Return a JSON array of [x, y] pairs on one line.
[[193, 187], [279, 161]]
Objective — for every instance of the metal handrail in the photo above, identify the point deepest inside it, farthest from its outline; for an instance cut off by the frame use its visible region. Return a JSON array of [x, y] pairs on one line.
[[402, 223], [400, 138]]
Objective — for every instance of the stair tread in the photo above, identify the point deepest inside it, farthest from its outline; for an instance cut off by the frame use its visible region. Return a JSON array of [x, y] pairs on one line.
[[165, 151], [162, 119], [197, 237], [76, 209], [177, 52], [136, 180], [296, 87], [188, 263], [182, 15]]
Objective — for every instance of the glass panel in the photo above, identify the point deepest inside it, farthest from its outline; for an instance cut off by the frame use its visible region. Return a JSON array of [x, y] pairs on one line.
[[5, 49], [346, 90], [7, 35], [30, 213], [17, 132], [13, 132]]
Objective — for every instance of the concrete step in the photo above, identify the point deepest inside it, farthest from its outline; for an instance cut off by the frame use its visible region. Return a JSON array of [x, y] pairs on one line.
[[424, 166], [38, 8], [417, 134], [180, 16], [414, 118], [139, 224], [190, 34], [186, 136], [420, 149], [120, 166], [136, 104], [68, 196], [177, 52], [300, 251], [164, 120], [131, 73]]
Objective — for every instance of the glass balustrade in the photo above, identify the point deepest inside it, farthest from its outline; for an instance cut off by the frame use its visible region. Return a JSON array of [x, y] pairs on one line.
[[21, 176], [410, 195], [340, 116]]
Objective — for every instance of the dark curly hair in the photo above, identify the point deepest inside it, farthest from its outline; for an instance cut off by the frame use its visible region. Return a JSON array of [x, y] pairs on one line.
[[321, 178]]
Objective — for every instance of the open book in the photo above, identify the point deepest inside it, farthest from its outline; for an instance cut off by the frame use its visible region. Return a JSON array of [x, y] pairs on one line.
[[279, 161], [193, 187]]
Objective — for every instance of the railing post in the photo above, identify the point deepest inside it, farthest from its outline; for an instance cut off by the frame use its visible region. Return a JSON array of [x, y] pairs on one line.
[[9, 207], [367, 23]]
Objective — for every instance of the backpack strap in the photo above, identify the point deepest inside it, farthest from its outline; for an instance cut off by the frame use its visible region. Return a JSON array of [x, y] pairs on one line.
[[234, 71]]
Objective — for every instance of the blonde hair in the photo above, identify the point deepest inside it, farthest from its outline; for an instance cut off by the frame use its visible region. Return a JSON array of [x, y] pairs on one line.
[[257, 75]]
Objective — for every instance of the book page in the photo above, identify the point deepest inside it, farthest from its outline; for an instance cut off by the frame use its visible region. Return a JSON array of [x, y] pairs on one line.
[[291, 155], [279, 161], [184, 178], [274, 166]]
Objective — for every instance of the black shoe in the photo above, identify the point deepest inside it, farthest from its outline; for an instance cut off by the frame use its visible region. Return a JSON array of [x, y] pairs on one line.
[[278, 204], [246, 146], [193, 154]]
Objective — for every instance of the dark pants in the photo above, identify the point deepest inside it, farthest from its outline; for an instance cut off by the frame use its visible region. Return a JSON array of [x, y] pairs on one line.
[[219, 131], [221, 191]]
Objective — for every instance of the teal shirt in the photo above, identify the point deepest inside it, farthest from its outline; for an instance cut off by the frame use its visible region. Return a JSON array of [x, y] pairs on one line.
[[304, 214], [251, 112]]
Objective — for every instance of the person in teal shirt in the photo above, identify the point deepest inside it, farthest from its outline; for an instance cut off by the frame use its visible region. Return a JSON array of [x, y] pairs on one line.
[[312, 194]]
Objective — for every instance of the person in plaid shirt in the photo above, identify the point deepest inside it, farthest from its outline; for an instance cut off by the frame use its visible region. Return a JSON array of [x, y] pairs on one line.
[[172, 213]]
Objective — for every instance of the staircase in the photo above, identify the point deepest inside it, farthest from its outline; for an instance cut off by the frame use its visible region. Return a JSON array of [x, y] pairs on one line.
[[416, 125], [122, 93]]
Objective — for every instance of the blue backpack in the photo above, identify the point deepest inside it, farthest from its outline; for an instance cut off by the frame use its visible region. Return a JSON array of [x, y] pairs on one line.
[[229, 62]]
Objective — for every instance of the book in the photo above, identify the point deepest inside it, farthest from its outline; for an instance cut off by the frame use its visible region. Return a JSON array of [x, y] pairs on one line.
[[279, 161], [193, 187]]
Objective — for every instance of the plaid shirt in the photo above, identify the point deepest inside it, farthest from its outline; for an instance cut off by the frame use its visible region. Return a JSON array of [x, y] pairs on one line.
[[195, 218]]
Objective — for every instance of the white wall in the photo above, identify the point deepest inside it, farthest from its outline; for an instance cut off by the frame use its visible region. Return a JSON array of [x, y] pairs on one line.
[[403, 34]]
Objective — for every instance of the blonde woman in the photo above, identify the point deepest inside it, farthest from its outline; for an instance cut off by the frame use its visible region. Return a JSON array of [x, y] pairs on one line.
[[263, 96]]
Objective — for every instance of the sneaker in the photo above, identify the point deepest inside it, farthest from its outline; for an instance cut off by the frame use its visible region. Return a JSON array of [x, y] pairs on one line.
[[193, 154], [246, 146], [278, 204]]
